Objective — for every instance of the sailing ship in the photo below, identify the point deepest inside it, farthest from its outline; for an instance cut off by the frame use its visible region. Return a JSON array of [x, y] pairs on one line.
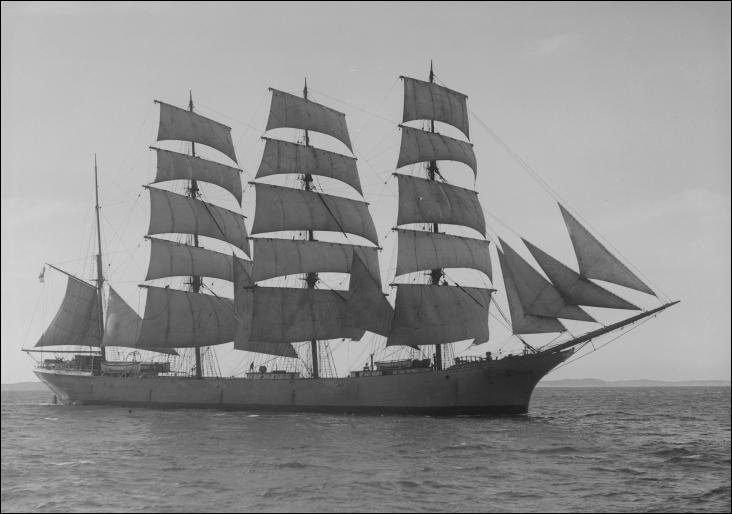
[[282, 307]]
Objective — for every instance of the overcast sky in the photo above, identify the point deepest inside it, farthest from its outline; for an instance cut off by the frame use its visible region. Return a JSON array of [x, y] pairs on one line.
[[623, 109]]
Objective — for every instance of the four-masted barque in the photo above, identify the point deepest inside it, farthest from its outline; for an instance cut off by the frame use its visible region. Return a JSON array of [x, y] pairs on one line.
[[284, 309]]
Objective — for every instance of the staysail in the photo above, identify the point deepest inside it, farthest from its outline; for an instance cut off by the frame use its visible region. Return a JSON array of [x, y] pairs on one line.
[[537, 295], [575, 289], [596, 261]]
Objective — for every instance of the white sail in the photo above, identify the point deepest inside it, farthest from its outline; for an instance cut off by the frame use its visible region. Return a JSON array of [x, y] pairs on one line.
[[283, 208], [174, 213], [428, 101], [180, 124], [294, 112], [596, 261], [122, 326], [427, 314], [291, 315], [170, 259], [244, 309], [367, 307], [574, 289], [282, 157], [178, 166], [77, 319], [426, 201], [521, 321], [537, 295], [419, 251], [421, 146], [183, 319], [279, 257]]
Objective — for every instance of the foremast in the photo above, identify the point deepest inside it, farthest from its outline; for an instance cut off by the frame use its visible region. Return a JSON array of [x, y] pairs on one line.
[[437, 313]]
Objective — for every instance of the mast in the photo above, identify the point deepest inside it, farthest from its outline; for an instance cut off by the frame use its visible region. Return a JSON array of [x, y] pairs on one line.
[[100, 271], [195, 280], [436, 273], [310, 278]]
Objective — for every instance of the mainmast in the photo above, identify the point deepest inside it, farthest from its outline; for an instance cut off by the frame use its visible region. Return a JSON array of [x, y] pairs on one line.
[[436, 273], [195, 280], [100, 271], [310, 278]]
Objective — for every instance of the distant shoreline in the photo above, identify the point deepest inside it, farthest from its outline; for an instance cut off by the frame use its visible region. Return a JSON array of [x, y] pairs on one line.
[[596, 382], [567, 382]]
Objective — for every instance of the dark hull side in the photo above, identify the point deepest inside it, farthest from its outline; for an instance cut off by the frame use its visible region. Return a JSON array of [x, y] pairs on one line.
[[488, 387]]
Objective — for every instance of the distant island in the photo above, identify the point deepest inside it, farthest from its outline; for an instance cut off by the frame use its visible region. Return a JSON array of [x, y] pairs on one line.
[[596, 382], [566, 382]]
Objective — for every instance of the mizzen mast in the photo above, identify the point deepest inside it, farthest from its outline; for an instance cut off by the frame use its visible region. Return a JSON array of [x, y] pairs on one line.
[[100, 270]]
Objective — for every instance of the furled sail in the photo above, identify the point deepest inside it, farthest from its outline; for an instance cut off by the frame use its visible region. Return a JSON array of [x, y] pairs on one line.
[[521, 321], [425, 201], [122, 326], [283, 208], [427, 314], [422, 146], [183, 125], [244, 308], [182, 319], [367, 307], [419, 251], [294, 112], [174, 213], [178, 166], [596, 261], [537, 295], [574, 289], [170, 259], [77, 319], [279, 257], [428, 101], [282, 157]]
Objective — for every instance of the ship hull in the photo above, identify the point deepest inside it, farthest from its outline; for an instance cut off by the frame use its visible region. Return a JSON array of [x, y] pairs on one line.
[[487, 387]]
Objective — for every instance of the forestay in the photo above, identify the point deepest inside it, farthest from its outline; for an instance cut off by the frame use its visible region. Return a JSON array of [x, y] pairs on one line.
[[537, 295], [419, 251], [182, 125], [294, 112], [521, 321], [174, 213], [421, 146], [170, 259], [427, 314], [281, 157], [425, 201], [178, 166], [279, 257], [77, 319], [182, 319], [574, 289], [283, 208], [428, 101], [596, 261]]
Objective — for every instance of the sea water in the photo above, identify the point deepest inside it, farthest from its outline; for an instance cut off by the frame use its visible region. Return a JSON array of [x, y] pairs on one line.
[[578, 449]]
